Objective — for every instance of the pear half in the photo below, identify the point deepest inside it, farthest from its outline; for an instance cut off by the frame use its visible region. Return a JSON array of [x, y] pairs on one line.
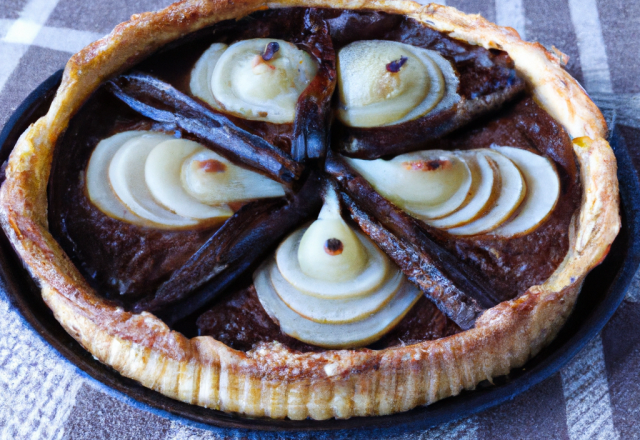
[[247, 85], [512, 192], [365, 279], [543, 191], [214, 180], [383, 82], [485, 188], [162, 171], [347, 335], [99, 189], [429, 184]]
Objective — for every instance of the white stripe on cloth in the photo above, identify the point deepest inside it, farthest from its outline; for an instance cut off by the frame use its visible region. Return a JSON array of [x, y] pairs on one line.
[[511, 13], [586, 392], [65, 40], [593, 54], [465, 429], [584, 380], [5, 24], [21, 33], [60, 39], [37, 386]]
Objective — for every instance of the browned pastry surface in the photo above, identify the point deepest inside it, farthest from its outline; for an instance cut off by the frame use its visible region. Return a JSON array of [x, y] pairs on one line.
[[271, 380]]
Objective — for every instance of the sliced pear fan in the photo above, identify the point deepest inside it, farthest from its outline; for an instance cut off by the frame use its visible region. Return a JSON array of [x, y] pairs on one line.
[[485, 188], [127, 177], [99, 189], [512, 193], [213, 180], [334, 310], [353, 334], [543, 191], [373, 95], [444, 85], [151, 179], [250, 87], [200, 83], [428, 184], [371, 277], [163, 177]]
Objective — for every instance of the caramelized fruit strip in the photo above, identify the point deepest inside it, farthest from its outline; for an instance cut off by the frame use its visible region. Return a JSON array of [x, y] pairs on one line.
[[242, 241], [458, 290], [373, 143], [161, 102], [313, 109]]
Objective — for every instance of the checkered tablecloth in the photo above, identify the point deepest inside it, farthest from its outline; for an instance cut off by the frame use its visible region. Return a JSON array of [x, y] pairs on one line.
[[42, 396]]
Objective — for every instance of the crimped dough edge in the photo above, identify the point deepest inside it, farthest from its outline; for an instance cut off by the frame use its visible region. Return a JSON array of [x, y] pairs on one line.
[[272, 381]]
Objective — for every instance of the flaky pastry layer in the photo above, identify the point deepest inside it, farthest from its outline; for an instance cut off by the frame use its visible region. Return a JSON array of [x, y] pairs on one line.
[[271, 380]]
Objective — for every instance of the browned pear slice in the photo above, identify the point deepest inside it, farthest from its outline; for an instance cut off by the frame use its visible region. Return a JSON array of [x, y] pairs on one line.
[[512, 193], [383, 82], [485, 188], [214, 180], [370, 94], [334, 311], [97, 179], [366, 280], [348, 335], [543, 191], [163, 177], [127, 178], [200, 83], [428, 184], [247, 85]]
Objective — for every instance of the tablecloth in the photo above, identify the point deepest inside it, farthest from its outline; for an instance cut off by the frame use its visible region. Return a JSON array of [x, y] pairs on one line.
[[597, 395]]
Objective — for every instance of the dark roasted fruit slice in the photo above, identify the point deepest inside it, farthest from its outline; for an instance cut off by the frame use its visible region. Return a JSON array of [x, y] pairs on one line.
[[242, 241], [161, 102], [313, 109], [457, 289]]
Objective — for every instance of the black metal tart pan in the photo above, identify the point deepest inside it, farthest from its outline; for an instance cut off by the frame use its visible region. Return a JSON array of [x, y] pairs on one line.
[[603, 291]]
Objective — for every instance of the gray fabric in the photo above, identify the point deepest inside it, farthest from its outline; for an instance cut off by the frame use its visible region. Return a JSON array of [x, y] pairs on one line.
[[596, 396]]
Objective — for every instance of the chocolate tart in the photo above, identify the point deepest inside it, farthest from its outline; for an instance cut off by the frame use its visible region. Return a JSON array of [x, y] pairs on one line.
[[273, 379]]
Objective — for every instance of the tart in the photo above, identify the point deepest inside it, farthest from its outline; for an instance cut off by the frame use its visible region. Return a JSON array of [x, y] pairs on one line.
[[312, 209]]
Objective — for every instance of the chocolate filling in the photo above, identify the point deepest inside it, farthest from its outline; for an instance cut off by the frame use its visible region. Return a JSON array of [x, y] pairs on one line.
[[125, 262]]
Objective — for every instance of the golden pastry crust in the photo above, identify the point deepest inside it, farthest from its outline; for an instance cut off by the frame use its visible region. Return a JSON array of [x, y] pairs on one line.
[[271, 380]]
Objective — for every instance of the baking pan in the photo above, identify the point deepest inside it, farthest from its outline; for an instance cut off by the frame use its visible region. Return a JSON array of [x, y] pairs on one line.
[[604, 289]]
